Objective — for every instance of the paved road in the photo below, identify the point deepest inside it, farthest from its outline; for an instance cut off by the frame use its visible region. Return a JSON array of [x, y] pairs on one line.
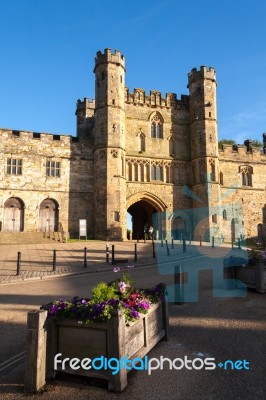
[[222, 328]]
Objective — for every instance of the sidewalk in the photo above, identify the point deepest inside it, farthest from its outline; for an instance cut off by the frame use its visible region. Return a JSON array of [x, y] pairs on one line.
[[37, 259]]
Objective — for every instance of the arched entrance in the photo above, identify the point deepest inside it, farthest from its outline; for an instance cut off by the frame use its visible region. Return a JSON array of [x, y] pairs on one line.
[[48, 220], [179, 227], [13, 215], [142, 208]]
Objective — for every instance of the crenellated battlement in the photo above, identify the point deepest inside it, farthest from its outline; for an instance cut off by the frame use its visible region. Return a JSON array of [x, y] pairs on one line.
[[155, 98], [27, 136], [202, 73], [86, 103], [108, 56], [241, 151]]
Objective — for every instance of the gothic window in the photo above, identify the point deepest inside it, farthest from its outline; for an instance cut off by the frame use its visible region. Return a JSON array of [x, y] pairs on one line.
[[142, 173], [129, 166], [156, 173], [116, 216], [246, 174], [14, 166], [156, 126], [224, 214], [53, 168]]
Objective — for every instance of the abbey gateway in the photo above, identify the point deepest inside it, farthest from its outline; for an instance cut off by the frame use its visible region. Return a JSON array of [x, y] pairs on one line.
[[154, 157]]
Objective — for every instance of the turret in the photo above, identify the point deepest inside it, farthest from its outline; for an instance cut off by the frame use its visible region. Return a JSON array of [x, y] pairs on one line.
[[204, 139], [109, 146]]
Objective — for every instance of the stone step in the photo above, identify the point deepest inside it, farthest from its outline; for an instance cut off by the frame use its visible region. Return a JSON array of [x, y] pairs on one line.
[[28, 237]]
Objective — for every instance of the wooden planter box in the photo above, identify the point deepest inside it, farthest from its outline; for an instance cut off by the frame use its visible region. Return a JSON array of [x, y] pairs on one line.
[[253, 277], [113, 338]]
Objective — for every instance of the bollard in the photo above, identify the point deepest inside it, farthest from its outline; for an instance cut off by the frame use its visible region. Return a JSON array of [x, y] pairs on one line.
[[179, 285], [153, 250], [172, 242], [184, 246], [167, 248], [144, 237], [239, 246], [18, 263], [200, 241], [85, 257], [162, 241], [54, 260], [181, 238], [137, 237], [113, 254], [107, 252], [136, 255], [213, 242]]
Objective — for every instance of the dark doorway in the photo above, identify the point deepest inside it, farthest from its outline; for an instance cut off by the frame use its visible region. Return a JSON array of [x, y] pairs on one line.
[[142, 215]]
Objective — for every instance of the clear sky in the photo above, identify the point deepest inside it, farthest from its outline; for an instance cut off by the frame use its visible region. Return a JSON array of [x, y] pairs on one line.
[[48, 49]]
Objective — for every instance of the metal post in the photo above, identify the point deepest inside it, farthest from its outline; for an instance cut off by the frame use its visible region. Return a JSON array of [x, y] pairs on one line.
[[85, 257], [153, 250], [181, 237], [167, 248], [200, 241], [213, 242], [113, 254], [18, 263], [144, 237], [172, 242], [232, 244], [239, 243], [184, 246], [136, 255], [54, 260], [137, 237], [179, 285], [162, 241], [107, 252], [190, 238]]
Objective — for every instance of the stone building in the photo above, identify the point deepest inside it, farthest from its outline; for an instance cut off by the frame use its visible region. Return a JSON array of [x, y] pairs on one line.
[[153, 156]]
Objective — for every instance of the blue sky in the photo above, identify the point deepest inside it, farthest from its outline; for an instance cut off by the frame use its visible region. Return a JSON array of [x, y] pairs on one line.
[[48, 49]]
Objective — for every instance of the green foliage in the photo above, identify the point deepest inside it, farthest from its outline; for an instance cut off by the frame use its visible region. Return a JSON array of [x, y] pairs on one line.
[[225, 141], [103, 292], [256, 143]]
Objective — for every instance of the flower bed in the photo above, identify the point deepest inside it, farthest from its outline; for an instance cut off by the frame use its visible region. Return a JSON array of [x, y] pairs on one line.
[[116, 322]]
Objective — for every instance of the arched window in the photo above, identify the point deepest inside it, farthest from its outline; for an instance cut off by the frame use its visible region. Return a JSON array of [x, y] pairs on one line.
[[224, 214], [156, 121], [212, 174], [141, 142], [221, 178]]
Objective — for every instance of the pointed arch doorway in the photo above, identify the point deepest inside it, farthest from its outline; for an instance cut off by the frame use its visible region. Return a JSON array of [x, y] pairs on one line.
[[48, 219], [143, 210]]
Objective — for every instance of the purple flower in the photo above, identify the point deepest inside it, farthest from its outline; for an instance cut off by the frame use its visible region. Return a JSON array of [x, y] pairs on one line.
[[130, 267], [144, 304], [116, 269], [134, 314]]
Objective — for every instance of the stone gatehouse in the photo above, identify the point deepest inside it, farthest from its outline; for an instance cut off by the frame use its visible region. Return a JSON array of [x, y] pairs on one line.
[[153, 156]]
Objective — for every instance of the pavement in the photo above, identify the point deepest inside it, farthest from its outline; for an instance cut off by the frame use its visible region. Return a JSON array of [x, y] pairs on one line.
[[37, 259], [223, 328]]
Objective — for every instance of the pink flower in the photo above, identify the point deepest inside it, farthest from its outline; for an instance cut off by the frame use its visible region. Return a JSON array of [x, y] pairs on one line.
[[130, 266], [122, 286], [116, 269]]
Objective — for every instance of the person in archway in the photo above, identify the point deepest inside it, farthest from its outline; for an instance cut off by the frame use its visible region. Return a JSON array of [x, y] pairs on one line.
[[151, 231]]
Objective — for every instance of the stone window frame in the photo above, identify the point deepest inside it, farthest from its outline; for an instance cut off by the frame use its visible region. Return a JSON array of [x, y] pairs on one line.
[[156, 172], [53, 168], [156, 127], [246, 175], [14, 166]]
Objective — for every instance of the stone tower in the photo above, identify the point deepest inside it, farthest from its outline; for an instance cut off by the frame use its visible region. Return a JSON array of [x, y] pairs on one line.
[[109, 146], [204, 149]]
